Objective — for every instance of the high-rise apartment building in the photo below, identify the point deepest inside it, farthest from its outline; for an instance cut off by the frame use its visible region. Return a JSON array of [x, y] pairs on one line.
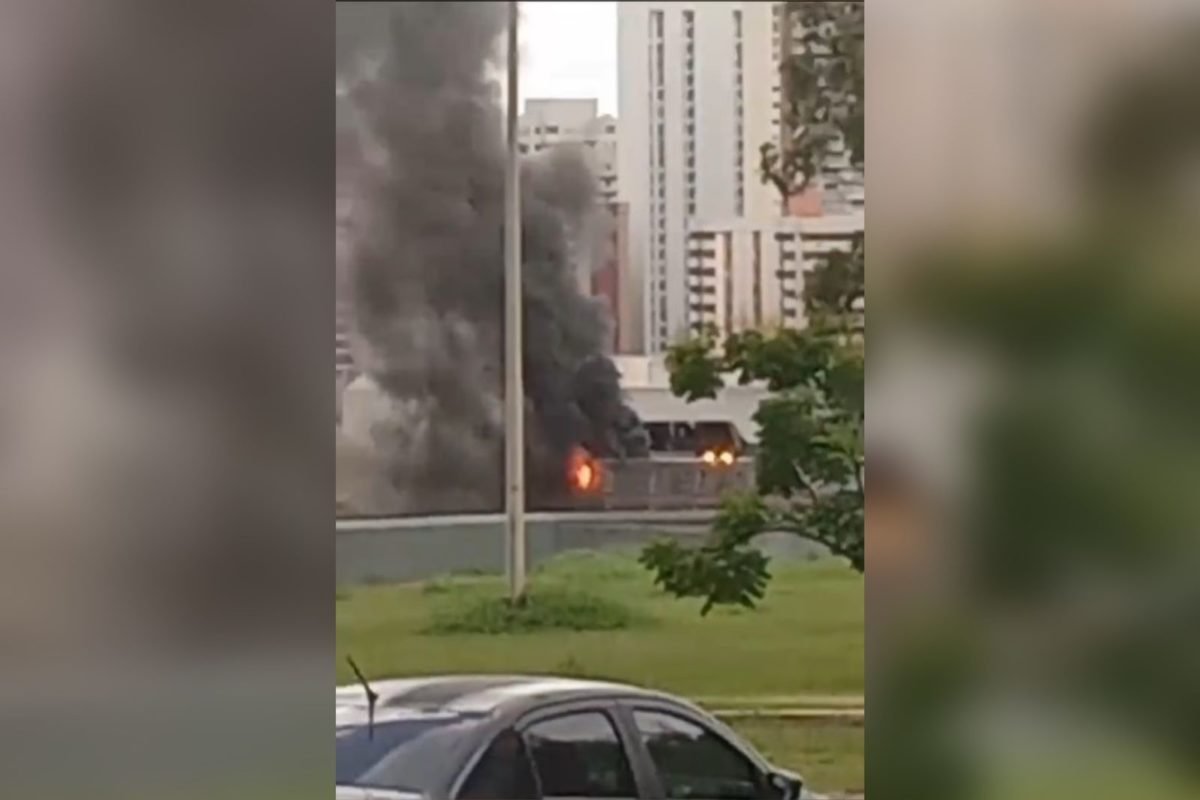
[[746, 274], [696, 86], [601, 263], [699, 94], [547, 123], [610, 283]]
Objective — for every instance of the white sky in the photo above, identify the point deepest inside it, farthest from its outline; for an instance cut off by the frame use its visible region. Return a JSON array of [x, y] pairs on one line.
[[569, 50]]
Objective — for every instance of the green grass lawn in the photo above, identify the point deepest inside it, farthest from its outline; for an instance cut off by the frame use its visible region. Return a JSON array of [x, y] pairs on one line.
[[802, 646], [830, 755]]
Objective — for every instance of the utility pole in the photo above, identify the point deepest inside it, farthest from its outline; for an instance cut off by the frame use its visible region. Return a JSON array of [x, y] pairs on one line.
[[514, 386]]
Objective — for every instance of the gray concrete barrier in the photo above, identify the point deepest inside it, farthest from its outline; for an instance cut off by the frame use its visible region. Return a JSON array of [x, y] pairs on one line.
[[409, 549]]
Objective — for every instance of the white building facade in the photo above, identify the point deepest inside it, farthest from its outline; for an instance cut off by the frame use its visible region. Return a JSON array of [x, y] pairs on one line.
[[744, 274], [599, 251], [646, 384], [550, 122], [698, 95]]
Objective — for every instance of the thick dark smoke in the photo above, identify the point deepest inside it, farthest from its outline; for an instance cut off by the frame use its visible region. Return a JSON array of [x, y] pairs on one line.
[[426, 264]]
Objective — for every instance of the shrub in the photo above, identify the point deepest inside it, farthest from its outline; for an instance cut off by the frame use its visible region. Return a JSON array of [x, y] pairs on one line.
[[544, 608], [440, 585], [590, 566], [466, 580]]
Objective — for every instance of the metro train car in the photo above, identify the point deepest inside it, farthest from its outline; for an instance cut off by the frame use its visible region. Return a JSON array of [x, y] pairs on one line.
[[690, 465], [716, 443]]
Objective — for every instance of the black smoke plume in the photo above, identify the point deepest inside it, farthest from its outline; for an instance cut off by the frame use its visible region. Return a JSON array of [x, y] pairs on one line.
[[424, 112]]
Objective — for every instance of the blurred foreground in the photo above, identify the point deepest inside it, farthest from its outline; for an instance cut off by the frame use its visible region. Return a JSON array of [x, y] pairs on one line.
[[1034, 580], [166, 172]]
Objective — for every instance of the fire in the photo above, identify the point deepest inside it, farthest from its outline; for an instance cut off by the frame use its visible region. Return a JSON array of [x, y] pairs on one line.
[[725, 458], [583, 471], [583, 476]]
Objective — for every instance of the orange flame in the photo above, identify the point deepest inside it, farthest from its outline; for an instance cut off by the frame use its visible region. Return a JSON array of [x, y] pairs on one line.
[[724, 457], [583, 471]]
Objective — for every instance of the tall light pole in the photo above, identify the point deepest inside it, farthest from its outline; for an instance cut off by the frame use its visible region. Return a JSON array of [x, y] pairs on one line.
[[514, 386]]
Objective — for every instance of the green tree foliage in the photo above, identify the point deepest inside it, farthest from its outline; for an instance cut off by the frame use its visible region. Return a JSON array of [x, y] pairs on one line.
[[810, 469], [823, 88], [722, 571], [1084, 456], [835, 290]]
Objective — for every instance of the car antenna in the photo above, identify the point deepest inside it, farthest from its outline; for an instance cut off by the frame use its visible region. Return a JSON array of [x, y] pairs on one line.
[[372, 697]]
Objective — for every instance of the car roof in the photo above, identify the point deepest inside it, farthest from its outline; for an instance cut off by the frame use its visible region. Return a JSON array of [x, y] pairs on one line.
[[371, 793], [480, 694], [457, 697]]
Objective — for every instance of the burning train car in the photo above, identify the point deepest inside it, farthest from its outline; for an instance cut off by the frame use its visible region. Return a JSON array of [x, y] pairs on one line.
[[688, 465], [716, 443]]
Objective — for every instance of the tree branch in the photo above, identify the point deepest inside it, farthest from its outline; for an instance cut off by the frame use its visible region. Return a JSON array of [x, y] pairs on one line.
[[804, 482]]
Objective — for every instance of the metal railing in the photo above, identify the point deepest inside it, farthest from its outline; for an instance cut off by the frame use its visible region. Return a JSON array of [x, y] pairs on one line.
[[417, 548], [644, 484]]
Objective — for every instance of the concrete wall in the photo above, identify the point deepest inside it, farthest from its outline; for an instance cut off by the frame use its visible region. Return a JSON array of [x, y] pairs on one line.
[[393, 551]]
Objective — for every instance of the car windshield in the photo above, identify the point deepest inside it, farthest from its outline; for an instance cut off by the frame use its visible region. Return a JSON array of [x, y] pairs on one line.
[[409, 754]]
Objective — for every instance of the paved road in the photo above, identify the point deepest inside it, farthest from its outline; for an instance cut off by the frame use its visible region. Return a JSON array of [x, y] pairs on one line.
[[407, 549]]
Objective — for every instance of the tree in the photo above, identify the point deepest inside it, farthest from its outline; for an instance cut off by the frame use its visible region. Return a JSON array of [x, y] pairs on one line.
[[810, 465], [835, 290], [823, 89]]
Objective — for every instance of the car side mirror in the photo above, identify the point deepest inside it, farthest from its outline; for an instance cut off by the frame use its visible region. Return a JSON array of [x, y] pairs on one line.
[[787, 785]]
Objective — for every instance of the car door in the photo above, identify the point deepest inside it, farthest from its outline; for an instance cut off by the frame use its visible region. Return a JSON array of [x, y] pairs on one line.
[[503, 771], [579, 752], [692, 760]]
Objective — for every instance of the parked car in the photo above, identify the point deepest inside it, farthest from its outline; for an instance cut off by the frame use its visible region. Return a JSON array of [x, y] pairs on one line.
[[537, 738]]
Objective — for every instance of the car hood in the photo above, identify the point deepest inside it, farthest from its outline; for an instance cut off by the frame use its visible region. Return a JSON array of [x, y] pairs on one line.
[[362, 793]]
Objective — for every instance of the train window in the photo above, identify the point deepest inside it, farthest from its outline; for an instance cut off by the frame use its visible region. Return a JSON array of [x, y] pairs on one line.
[[684, 438], [660, 436], [681, 437], [716, 436]]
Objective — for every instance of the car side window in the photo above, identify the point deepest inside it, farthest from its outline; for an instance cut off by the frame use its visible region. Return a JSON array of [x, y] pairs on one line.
[[502, 773], [580, 755], [694, 763]]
